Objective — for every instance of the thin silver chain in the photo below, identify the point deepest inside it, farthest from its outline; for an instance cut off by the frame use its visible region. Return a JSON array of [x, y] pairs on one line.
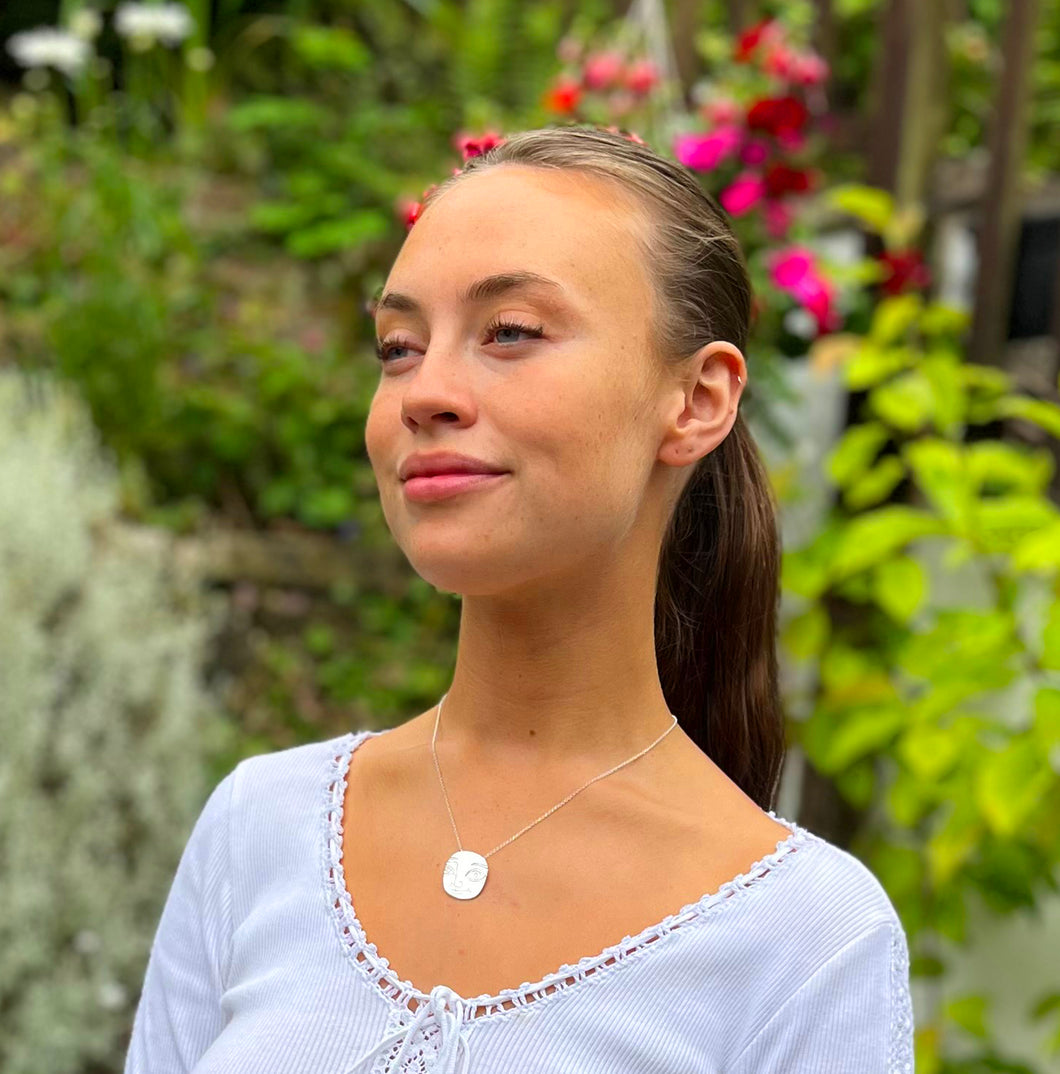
[[555, 807]]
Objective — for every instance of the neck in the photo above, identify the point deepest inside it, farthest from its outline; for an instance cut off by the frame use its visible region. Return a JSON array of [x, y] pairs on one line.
[[565, 676]]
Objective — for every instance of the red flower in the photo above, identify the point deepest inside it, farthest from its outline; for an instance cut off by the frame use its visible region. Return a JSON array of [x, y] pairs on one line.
[[905, 271], [782, 179], [641, 77], [602, 70], [777, 115], [473, 147], [564, 95], [752, 37], [410, 213]]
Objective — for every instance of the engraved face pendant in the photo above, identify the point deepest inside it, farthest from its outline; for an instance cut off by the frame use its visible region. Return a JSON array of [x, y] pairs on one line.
[[465, 874]]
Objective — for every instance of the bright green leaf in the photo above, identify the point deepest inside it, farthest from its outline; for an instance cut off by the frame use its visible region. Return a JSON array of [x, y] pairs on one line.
[[875, 485], [855, 451], [870, 204], [862, 732], [893, 318], [905, 403], [1009, 784], [1038, 411], [874, 537], [939, 469], [899, 586]]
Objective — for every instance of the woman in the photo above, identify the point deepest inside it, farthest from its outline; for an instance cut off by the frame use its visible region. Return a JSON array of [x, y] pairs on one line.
[[567, 315]]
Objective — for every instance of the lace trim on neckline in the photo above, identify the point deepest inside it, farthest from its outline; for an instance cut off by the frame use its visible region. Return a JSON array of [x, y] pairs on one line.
[[376, 968]]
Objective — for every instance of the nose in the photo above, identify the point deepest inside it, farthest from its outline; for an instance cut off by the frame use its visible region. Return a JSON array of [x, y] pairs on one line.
[[437, 389]]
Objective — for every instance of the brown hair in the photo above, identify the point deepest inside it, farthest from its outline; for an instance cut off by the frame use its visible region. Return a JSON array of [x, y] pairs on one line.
[[718, 581]]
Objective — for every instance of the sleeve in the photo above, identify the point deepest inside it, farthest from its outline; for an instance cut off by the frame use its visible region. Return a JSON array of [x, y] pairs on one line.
[[179, 1012], [853, 1015]]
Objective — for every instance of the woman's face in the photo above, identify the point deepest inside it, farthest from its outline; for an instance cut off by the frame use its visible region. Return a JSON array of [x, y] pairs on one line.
[[575, 416]]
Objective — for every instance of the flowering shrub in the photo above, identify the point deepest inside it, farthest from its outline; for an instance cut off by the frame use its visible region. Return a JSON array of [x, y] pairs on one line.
[[599, 83], [107, 736]]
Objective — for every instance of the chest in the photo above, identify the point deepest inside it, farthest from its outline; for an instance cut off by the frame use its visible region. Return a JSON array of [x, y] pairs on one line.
[[590, 877]]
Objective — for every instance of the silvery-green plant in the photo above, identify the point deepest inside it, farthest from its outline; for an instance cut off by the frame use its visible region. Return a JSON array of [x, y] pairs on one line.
[[106, 731]]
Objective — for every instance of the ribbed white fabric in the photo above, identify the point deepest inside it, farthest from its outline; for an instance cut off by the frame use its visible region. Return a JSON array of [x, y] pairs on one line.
[[260, 965]]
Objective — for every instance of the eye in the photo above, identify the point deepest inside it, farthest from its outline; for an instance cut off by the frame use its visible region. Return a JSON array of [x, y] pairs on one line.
[[383, 348]]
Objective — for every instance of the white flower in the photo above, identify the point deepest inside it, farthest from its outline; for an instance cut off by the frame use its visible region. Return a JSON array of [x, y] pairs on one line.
[[111, 995], [86, 24], [46, 46], [169, 23], [801, 323]]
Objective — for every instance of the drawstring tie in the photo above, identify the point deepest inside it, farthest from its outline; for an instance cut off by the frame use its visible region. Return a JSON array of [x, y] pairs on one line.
[[450, 1047]]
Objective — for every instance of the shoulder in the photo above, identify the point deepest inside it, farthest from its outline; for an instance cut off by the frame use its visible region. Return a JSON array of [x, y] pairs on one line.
[[276, 781], [820, 900]]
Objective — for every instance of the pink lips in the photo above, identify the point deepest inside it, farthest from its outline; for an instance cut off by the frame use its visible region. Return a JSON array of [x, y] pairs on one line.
[[442, 486]]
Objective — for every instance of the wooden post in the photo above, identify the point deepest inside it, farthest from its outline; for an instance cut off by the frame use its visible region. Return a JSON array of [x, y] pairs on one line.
[[1000, 209]]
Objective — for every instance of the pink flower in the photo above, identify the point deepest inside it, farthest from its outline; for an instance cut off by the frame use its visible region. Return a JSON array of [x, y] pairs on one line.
[[754, 152], [809, 69], [795, 270], [743, 194], [602, 70], [721, 110], [641, 77], [704, 152], [791, 141], [779, 218], [780, 60]]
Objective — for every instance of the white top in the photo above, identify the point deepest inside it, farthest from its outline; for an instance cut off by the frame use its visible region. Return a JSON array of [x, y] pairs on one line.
[[260, 965]]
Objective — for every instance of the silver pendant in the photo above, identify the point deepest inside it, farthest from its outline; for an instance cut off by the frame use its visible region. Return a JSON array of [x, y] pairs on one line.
[[465, 874]]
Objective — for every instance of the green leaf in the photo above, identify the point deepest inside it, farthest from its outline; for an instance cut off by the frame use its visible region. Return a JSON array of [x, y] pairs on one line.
[[1038, 411], [805, 634], [870, 204], [1050, 655], [279, 113], [1038, 550], [860, 733], [997, 467], [953, 842], [964, 653], [941, 321], [281, 216], [855, 451], [876, 484], [899, 586], [970, 1013], [1046, 724], [345, 233], [876, 536], [331, 47], [1009, 784], [905, 403], [939, 469], [893, 318], [1002, 521], [930, 751], [869, 365]]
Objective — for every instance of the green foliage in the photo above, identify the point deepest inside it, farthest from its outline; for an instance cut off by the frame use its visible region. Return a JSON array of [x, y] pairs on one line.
[[938, 698]]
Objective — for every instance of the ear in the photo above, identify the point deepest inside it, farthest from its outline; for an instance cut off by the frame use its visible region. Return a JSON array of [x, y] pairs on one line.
[[703, 403]]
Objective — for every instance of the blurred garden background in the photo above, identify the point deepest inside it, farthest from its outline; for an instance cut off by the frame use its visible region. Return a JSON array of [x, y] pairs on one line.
[[197, 202]]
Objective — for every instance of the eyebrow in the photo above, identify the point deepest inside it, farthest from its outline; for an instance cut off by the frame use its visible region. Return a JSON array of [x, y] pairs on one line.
[[488, 287]]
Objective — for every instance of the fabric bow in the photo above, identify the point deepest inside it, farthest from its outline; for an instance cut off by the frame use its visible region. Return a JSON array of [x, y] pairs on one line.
[[453, 1047]]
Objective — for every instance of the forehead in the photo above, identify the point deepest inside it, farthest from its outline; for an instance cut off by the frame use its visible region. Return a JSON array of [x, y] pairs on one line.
[[574, 228]]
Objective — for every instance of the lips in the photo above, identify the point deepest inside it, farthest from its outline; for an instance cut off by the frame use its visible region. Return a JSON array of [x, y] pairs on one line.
[[442, 463]]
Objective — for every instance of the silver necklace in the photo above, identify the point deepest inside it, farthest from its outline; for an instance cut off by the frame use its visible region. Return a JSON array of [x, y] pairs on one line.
[[465, 872]]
